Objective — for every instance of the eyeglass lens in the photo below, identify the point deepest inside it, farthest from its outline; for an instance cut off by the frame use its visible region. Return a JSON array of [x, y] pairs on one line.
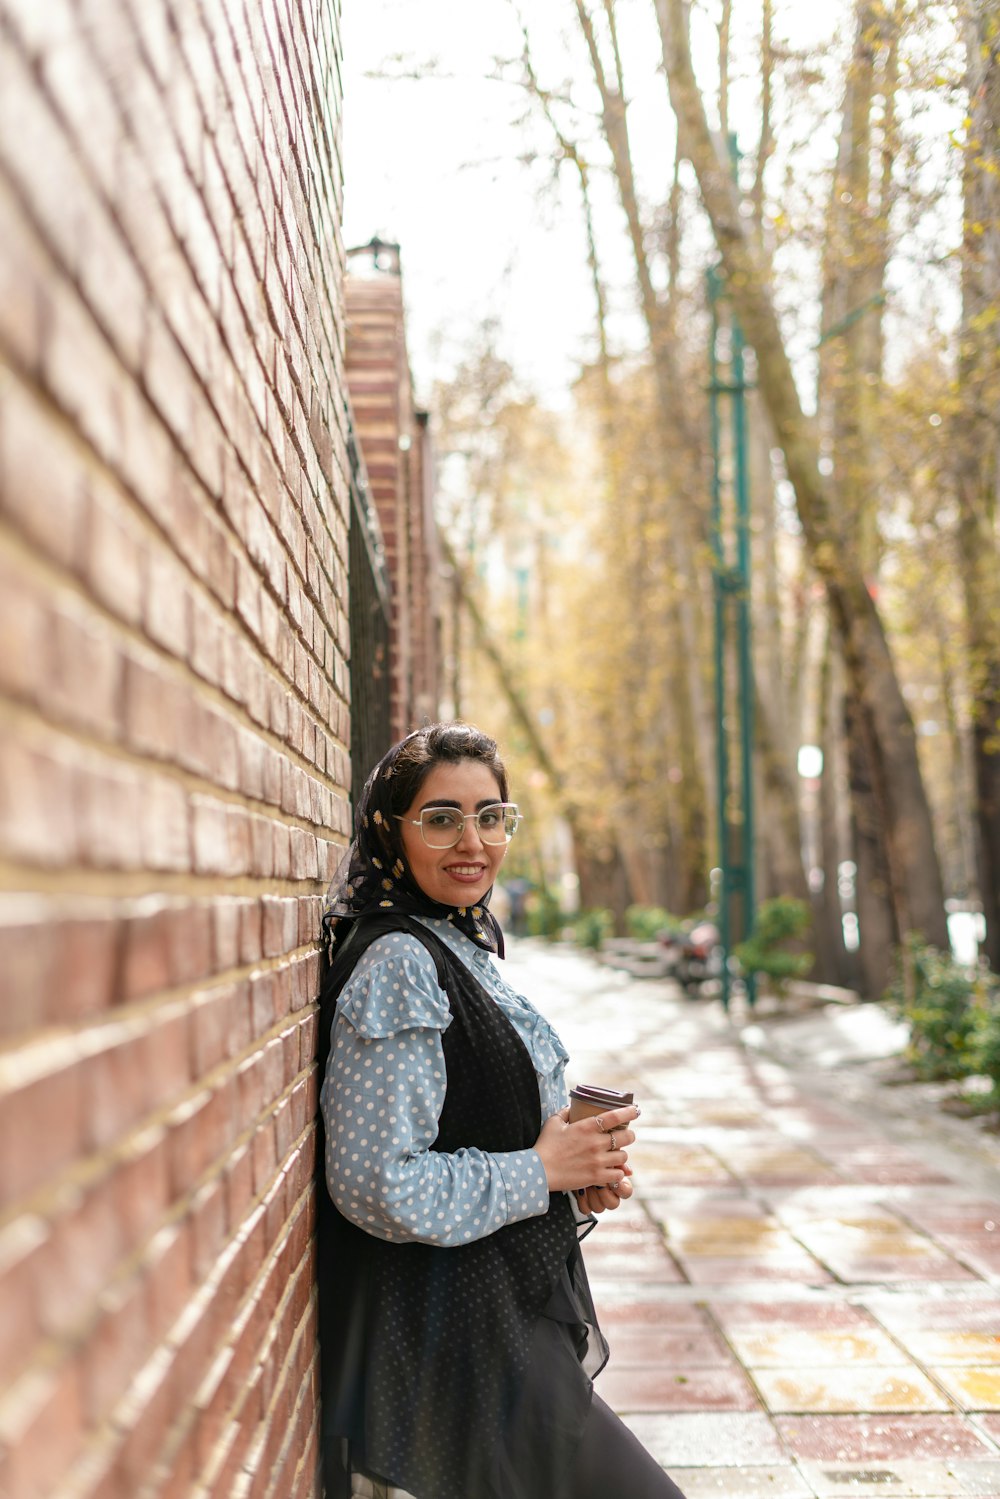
[[442, 827]]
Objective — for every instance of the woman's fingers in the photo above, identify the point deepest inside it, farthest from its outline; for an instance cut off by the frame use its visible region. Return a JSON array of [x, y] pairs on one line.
[[614, 1119]]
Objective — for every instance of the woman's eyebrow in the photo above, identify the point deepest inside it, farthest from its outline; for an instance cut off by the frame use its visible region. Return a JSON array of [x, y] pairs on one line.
[[442, 801]]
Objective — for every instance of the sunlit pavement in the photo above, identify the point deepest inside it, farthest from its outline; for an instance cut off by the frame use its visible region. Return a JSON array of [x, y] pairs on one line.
[[803, 1297]]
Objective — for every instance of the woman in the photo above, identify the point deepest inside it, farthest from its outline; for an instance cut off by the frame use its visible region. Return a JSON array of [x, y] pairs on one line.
[[458, 1335]]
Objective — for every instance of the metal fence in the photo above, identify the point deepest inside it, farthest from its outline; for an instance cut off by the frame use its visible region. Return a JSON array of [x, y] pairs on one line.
[[368, 594]]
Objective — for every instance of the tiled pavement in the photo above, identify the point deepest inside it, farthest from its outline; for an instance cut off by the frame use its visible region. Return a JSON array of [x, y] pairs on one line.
[[797, 1304]]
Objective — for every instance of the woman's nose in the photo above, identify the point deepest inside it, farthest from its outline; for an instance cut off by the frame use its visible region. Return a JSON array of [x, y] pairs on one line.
[[471, 837]]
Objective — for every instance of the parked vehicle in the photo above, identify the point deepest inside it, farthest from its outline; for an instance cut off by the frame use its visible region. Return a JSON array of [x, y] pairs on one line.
[[695, 954]]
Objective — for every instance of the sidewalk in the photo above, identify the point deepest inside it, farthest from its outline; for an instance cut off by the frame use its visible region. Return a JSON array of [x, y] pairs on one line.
[[803, 1298]]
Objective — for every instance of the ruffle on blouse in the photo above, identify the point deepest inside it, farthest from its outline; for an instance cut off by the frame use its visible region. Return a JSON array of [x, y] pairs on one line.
[[394, 988], [547, 1051]]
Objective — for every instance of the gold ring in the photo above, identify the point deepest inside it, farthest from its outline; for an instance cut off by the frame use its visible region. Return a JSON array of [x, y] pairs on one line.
[[600, 1126], [614, 1142]]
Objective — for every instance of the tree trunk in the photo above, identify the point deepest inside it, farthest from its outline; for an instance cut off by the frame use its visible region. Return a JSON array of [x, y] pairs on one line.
[[977, 443], [875, 907], [679, 450], [835, 964], [886, 723], [854, 263], [681, 650]]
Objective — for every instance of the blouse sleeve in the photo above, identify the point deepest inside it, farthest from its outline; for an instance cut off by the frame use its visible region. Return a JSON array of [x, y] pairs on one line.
[[382, 1099]]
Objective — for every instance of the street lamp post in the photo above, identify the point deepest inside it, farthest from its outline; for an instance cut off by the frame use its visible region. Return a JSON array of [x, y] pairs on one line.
[[732, 633]]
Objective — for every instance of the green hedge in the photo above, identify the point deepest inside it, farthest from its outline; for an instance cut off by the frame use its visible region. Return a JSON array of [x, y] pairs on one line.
[[953, 1014]]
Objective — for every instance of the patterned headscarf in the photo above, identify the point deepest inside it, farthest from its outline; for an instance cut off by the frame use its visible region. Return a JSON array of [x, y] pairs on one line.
[[374, 877]]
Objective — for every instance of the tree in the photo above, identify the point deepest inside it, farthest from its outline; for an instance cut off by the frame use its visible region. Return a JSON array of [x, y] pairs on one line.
[[885, 724], [976, 437]]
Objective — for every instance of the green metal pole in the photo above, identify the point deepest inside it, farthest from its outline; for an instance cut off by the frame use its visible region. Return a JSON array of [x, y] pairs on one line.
[[743, 620], [719, 600]]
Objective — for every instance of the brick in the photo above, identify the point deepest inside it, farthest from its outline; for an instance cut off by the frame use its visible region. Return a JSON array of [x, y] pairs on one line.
[[26, 631], [38, 805], [114, 559], [20, 1243], [86, 1242], [173, 635], [164, 825], [212, 1023], [141, 1185], [165, 611], [41, 1427], [109, 801], [42, 1128], [115, 1349], [82, 685]]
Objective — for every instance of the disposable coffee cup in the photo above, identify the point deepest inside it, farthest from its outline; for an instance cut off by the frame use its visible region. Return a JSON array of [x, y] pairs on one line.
[[587, 1100]]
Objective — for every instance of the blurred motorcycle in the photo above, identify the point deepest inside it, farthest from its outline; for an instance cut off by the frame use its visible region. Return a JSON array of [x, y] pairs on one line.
[[695, 954]]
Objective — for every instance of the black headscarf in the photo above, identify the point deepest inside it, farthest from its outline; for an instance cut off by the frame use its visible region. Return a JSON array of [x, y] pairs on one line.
[[374, 878]]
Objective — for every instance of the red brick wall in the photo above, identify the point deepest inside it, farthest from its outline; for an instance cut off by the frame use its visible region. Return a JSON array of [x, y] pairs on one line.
[[396, 445], [173, 734]]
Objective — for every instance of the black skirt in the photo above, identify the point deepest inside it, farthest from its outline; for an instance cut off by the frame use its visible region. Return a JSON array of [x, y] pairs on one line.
[[533, 1458]]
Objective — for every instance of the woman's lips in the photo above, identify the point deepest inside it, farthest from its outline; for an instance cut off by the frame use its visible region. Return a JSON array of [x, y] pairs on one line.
[[466, 873]]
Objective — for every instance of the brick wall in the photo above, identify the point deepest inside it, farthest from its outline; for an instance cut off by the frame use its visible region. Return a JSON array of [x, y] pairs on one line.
[[394, 437], [173, 734]]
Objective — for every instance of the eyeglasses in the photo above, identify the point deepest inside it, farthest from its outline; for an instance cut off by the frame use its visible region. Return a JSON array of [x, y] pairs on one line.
[[443, 827]]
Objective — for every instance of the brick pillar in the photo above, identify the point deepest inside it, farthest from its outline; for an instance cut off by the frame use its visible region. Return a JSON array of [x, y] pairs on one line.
[[173, 749]]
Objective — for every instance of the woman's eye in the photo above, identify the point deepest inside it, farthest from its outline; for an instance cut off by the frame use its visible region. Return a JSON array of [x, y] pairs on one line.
[[440, 819], [490, 817]]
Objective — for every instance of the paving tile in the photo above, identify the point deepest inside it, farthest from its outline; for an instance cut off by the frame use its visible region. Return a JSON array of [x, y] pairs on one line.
[[742, 1483], [973, 1477], [647, 1305], [737, 1246], [650, 1265], [698, 1440], [714, 1269], [926, 1479], [799, 1348], [816, 1313], [675, 1163], [955, 1216], [666, 1349], [896, 1269], [972, 1389], [628, 1390], [860, 1388], [721, 1200], [895, 1174], [981, 1252], [869, 1440], [989, 1426], [951, 1348], [958, 1313]]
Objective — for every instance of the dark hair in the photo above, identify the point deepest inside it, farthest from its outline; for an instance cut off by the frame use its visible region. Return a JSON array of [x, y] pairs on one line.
[[436, 744]]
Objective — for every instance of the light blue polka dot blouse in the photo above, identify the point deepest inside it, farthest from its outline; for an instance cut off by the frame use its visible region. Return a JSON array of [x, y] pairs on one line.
[[384, 1091]]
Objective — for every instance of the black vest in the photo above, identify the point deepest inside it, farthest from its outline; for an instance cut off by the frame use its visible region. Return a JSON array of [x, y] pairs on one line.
[[423, 1349]]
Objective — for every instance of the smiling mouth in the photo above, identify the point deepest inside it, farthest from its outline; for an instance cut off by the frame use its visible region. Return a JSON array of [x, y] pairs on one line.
[[466, 871]]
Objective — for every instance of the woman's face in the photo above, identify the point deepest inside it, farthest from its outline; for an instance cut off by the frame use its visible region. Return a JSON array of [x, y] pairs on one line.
[[458, 876]]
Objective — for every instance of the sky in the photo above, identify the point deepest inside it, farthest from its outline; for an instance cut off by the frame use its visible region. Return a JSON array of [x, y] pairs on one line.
[[433, 164], [438, 165]]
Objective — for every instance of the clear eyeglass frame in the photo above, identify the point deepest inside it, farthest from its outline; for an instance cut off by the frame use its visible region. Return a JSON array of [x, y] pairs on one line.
[[444, 827]]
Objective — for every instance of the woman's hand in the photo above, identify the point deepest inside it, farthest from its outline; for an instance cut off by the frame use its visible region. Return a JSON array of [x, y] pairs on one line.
[[580, 1155], [605, 1199]]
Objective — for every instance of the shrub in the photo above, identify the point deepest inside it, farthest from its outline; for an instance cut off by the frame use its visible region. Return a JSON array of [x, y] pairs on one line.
[[591, 927], [779, 921], [544, 915], [984, 1036], [939, 998], [645, 923]]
